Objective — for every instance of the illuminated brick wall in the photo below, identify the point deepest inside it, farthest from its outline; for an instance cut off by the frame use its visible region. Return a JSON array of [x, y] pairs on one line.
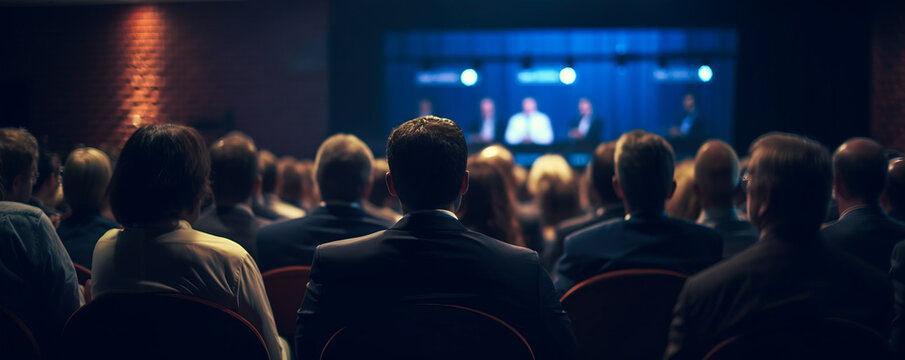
[[92, 74]]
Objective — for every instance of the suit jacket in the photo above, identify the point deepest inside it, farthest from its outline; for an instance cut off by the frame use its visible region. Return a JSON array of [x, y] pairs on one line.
[[780, 279], [642, 241], [430, 257], [737, 234], [236, 223], [80, 232], [499, 128], [594, 131], [867, 233], [553, 252], [292, 242]]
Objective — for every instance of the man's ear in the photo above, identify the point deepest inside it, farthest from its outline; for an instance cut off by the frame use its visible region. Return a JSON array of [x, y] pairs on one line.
[[617, 188], [464, 188], [672, 190], [391, 187]]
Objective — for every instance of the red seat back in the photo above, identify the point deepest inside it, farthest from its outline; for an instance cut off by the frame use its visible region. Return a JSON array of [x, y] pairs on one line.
[[817, 339], [17, 341], [160, 326], [286, 288], [84, 276], [428, 331], [623, 314]]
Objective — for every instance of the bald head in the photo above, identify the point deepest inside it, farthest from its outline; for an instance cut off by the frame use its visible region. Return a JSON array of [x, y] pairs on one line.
[[860, 168], [895, 184], [716, 173]]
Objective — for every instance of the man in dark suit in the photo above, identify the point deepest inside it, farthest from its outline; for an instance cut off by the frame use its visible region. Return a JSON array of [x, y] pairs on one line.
[[429, 256], [893, 197], [486, 129], [688, 134], [863, 229], [234, 178], [715, 184], [343, 175], [790, 275], [587, 126], [602, 168], [647, 238]]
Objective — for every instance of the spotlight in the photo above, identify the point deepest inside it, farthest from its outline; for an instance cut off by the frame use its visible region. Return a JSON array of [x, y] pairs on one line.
[[567, 75], [705, 73], [469, 77]]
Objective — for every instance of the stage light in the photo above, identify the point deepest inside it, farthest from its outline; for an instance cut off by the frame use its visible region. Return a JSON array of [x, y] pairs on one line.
[[705, 73], [567, 75], [469, 77]]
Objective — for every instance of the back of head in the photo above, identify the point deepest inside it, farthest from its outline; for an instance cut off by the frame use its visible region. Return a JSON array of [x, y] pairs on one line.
[[644, 167], [795, 174], [85, 183], [267, 166], [860, 165], [427, 158], [291, 174], [603, 168], [161, 175], [555, 186], [18, 157], [895, 185], [342, 168], [234, 169], [48, 167], [716, 173], [489, 205], [684, 203]]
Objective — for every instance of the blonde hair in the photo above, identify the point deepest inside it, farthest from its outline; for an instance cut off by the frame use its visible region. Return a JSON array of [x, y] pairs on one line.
[[87, 174], [684, 203]]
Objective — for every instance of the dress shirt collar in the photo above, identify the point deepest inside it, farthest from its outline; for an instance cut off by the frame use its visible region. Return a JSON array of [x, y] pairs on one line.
[[854, 208], [443, 212]]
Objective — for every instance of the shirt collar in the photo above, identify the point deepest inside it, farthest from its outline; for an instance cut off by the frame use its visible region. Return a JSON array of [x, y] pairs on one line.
[[853, 208], [444, 212]]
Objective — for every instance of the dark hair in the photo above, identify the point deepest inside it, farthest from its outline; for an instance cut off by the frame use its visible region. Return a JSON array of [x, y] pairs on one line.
[[489, 206], [267, 165], [645, 163], [798, 172], [162, 173], [342, 168], [862, 171], [48, 166], [234, 169], [427, 158], [18, 154], [603, 168]]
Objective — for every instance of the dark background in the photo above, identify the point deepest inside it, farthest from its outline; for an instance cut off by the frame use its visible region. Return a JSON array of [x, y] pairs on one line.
[[289, 73]]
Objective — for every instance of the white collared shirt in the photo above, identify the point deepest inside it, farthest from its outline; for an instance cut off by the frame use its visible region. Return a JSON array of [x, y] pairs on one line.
[[534, 126]]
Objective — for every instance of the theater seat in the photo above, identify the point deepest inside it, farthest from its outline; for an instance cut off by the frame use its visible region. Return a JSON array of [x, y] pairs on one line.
[[17, 341], [428, 331], [159, 326], [286, 289], [623, 314], [818, 339]]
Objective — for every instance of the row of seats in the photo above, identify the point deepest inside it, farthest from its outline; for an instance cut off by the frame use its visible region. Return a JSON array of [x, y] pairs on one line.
[[617, 315]]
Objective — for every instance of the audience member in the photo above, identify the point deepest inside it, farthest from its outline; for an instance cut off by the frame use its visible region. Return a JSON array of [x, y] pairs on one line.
[[647, 238], [429, 256], [716, 181], [46, 193], [343, 174], [234, 180], [554, 187], [37, 277], [863, 229], [790, 275], [88, 172], [894, 196], [489, 205], [156, 191], [297, 183], [609, 205], [380, 203], [268, 204], [684, 203]]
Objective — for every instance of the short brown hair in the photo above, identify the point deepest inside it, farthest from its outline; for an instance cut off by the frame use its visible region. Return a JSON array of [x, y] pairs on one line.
[[18, 155], [342, 168]]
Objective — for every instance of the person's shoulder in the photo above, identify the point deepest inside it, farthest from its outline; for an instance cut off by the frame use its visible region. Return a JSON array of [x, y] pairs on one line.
[[350, 246], [697, 231], [216, 244], [11, 209], [596, 231], [727, 272]]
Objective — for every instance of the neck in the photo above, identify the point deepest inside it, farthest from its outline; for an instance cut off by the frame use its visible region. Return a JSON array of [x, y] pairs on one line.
[[246, 202], [450, 207], [845, 204]]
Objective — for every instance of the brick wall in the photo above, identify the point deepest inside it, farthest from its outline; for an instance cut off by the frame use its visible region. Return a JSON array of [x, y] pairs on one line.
[[888, 74], [92, 74]]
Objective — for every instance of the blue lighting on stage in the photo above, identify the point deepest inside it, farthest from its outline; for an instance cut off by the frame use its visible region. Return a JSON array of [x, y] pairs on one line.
[[469, 77], [705, 73]]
